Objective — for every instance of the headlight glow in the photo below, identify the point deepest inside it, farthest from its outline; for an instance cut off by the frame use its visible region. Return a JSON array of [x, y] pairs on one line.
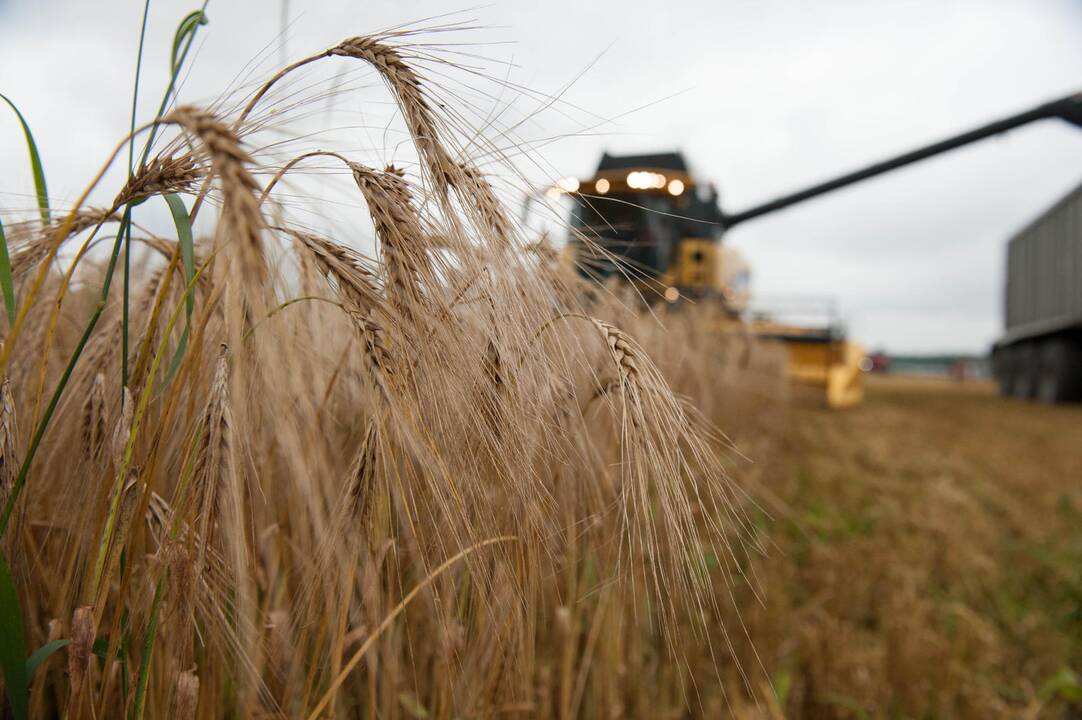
[[645, 180], [568, 184]]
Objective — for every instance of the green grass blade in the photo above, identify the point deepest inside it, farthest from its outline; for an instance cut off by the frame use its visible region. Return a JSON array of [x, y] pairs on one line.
[[35, 164], [186, 240], [13, 644], [131, 170], [42, 654], [187, 27], [174, 364], [6, 283], [135, 91], [185, 35], [148, 651], [187, 257]]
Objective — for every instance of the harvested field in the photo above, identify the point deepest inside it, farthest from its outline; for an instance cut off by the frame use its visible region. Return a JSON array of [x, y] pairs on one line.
[[929, 555]]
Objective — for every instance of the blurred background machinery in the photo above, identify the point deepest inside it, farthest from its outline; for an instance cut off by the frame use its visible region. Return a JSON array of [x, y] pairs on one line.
[[1040, 354], [645, 219]]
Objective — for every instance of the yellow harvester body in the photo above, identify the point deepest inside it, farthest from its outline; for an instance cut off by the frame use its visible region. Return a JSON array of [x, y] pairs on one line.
[[651, 224], [831, 363]]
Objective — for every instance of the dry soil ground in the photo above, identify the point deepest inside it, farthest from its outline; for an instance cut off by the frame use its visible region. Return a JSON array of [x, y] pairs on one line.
[[930, 557]]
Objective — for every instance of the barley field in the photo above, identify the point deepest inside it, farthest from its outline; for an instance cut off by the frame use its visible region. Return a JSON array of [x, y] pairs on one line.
[[927, 557], [260, 471], [252, 469]]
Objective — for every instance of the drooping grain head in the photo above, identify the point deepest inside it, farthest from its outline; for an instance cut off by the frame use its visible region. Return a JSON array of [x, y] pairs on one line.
[[160, 176], [623, 354], [354, 279], [362, 473], [25, 259], [361, 300], [406, 86], [94, 420], [490, 212], [401, 235], [82, 640], [122, 429], [241, 218], [186, 697], [9, 460], [215, 457], [377, 358]]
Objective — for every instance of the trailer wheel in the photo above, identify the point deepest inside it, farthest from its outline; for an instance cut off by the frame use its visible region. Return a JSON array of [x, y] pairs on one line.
[[1003, 368], [1024, 370], [1059, 376]]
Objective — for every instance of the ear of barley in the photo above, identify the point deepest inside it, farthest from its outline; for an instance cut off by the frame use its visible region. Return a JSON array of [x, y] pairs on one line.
[[361, 476], [126, 505], [36, 248], [377, 358], [621, 351], [10, 462], [354, 279], [122, 429], [160, 176], [406, 86], [361, 301], [405, 258], [215, 458], [94, 421], [83, 631], [484, 205], [185, 696], [241, 217]]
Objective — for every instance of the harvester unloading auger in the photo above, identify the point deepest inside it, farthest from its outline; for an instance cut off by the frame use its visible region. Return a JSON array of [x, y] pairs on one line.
[[645, 219]]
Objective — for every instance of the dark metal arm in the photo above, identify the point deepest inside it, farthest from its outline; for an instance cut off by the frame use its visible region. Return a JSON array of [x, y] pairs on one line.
[[1068, 108]]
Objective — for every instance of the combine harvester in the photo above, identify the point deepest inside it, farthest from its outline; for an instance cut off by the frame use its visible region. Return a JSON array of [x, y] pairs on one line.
[[645, 219]]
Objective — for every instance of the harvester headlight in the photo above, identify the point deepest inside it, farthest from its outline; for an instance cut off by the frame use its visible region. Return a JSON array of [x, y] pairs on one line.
[[568, 184], [671, 294], [602, 186], [645, 180], [676, 187]]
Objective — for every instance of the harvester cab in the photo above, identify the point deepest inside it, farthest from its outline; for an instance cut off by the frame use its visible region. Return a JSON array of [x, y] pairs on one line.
[[647, 219]]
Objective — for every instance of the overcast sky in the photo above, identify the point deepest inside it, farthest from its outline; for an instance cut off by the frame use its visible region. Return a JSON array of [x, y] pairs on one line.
[[762, 96]]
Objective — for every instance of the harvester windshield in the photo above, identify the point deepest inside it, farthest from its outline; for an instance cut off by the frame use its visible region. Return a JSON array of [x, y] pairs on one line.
[[634, 230]]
